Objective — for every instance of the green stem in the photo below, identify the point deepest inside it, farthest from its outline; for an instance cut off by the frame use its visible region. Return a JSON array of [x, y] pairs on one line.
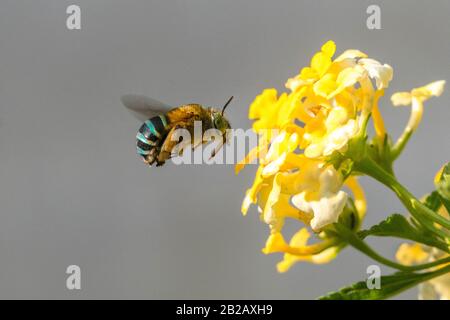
[[400, 144], [356, 242], [437, 273], [418, 210], [431, 264], [422, 278]]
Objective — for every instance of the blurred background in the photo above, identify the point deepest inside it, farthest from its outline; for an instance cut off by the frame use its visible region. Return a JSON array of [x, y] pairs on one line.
[[73, 191]]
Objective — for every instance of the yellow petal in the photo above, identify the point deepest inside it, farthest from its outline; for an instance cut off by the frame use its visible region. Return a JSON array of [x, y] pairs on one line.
[[401, 99], [251, 194], [378, 121], [358, 194], [314, 150], [308, 73], [325, 256], [251, 156], [320, 63], [337, 117], [346, 78], [321, 258], [409, 254], [438, 175], [324, 252], [337, 139], [300, 239], [433, 89], [262, 102], [275, 243], [288, 261], [382, 73], [325, 85], [307, 76], [350, 54], [283, 208], [274, 166], [276, 147], [329, 48], [269, 215]]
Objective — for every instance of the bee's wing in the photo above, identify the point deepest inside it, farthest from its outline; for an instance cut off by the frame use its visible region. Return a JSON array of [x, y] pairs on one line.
[[144, 107]]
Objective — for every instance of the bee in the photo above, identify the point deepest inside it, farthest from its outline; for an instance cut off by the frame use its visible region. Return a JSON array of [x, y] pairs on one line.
[[154, 142]]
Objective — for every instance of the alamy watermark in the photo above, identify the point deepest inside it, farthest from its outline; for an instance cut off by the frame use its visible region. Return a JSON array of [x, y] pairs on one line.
[[214, 147], [73, 281], [73, 21], [373, 21], [373, 281]]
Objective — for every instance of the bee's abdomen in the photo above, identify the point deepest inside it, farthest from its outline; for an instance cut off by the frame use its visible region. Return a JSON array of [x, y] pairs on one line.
[[149, 137]]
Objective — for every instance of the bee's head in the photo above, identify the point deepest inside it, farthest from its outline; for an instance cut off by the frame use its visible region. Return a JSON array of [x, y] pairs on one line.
[[219, 121]]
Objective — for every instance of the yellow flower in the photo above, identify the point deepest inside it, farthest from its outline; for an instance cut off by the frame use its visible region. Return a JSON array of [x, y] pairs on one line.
[[320, 63], [264, 109], [330, 78], [330, 133], [321, 195], [410, 254], [283, 145], [381, 73], [308, 149], [441, 285], [298, 250], [330, 94], [328, 105], [416, 98], [358, 195]]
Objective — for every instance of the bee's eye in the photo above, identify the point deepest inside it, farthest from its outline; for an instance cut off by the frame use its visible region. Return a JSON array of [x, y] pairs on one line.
[[218, 122]]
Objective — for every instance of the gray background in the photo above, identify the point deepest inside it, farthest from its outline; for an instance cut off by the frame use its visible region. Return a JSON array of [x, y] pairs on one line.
[[72, 190]]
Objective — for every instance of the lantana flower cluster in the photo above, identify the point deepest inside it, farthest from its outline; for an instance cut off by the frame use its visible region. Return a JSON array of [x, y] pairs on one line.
[[309, 137]]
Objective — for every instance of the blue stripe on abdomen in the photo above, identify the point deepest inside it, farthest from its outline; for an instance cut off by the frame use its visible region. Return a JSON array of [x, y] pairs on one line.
[[142, 152], [150, 133], [143, 139], [151, 127]]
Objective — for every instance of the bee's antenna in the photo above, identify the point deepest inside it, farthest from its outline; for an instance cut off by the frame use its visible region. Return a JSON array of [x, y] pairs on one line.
[[226, 104]]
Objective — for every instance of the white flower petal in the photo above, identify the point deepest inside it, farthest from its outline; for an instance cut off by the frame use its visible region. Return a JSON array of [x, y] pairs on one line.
[[381, 73], [338, 139], [351, 54], [326, 203], [436, 88], [274, 166], [274, 150], [327, 210]]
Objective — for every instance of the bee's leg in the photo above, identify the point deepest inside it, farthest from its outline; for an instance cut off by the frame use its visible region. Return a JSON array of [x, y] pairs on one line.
[[169, 143], [218, 147], [152, 157]]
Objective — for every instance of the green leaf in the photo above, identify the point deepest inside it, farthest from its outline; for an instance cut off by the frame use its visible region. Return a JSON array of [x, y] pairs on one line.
[[433, 201], [398, 226], [389, 286]]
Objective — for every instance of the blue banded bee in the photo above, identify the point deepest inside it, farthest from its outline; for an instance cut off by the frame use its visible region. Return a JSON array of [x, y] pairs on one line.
[[154, 141]]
